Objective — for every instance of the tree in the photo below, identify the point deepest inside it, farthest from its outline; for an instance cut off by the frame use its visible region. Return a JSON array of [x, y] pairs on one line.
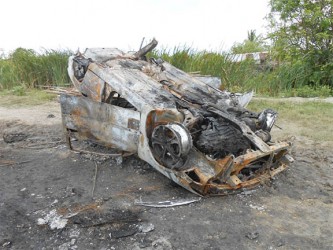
[[302, 30], [253, 43], [252, 36]]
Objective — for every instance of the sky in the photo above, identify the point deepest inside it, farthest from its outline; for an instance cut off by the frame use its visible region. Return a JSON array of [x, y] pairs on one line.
[[72, 24]]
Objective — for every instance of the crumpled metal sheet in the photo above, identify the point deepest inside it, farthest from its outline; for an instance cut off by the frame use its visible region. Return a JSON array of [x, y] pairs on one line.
[[149, 107]]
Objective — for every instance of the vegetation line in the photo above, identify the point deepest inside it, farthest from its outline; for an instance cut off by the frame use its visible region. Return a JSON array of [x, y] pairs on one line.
[[25, 69]]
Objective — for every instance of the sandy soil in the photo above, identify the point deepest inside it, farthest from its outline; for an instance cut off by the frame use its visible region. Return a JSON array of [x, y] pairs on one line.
[[41, 179]]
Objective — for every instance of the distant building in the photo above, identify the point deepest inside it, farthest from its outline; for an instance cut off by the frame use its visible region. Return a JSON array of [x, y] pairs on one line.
[[258, 57]]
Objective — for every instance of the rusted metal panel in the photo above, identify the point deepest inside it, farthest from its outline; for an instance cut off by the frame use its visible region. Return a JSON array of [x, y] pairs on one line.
[[100, 122], [135, 86], [92, 86], [191, 88], [133, 124]]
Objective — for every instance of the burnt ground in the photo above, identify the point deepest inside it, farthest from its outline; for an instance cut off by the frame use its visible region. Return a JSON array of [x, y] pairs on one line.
[[40, 176]]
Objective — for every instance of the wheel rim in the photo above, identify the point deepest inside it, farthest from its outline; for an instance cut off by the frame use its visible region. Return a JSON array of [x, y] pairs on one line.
[[171, 144]]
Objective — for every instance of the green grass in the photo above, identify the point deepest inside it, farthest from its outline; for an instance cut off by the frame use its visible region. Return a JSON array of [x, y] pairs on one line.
[[233, 75], [312, 119], [266, 79], [31, 97]]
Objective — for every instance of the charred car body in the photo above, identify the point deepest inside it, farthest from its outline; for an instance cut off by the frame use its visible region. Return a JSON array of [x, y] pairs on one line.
[[202, 138]]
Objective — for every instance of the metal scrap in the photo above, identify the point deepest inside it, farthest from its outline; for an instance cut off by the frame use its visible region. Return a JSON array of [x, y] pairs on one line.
[[202, 138], [165, 204]]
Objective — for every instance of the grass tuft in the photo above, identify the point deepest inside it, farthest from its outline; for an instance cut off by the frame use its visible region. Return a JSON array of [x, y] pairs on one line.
[[312, 119]]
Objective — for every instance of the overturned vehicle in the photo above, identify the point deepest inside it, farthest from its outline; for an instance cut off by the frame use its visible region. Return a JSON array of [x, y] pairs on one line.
[[202, 138]]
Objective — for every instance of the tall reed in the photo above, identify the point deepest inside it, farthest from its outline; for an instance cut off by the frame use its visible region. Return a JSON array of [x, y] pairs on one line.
[[30, 69]]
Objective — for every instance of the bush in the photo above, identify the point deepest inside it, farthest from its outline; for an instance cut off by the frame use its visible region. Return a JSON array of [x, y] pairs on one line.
[[18, 90]]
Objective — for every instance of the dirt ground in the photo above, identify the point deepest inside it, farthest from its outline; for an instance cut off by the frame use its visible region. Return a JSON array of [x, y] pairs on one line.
[[41, 180]]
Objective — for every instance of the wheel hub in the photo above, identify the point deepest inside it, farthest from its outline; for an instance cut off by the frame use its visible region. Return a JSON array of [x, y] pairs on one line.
[[170, 144]]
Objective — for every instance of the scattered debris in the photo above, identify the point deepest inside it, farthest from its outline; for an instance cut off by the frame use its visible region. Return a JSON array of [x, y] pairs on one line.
[[97, 153], [92, 215], [248, 192], [54, 220], [6, 243], [119, 160], [14, 137], [54, 202], [259, 208], [62, 90], [74, 233], [146, 227], [163, 204], [68, 245], [124, 231], [78, 214], [202, 138], [252, 235]]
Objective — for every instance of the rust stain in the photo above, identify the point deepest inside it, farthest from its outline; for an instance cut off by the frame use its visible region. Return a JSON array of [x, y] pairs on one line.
[[202, 138], [78, 208]]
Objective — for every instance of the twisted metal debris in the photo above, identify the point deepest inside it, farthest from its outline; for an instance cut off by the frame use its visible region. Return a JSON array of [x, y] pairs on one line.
[[202, 138]]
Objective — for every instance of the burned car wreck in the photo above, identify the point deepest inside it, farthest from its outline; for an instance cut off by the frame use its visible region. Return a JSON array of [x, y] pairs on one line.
[[202, 138]]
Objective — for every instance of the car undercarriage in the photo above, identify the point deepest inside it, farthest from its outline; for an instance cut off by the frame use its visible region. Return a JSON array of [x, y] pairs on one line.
[[202, 138]]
